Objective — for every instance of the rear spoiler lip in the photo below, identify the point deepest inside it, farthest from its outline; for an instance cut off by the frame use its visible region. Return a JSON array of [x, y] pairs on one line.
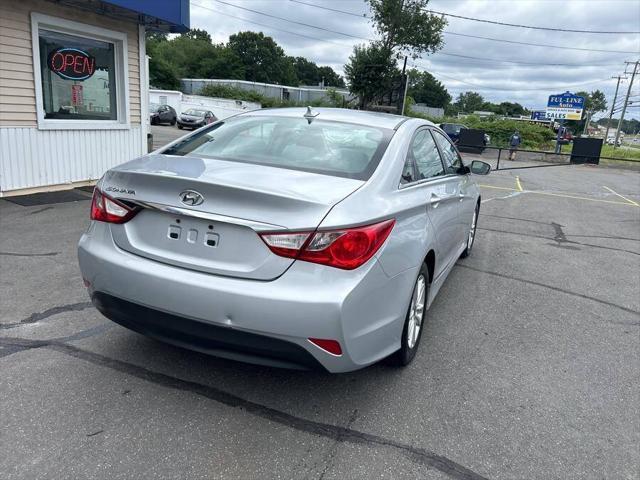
[[214, 217]]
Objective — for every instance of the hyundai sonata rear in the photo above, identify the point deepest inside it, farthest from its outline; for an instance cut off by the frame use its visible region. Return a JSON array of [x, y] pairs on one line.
[[230, 242]]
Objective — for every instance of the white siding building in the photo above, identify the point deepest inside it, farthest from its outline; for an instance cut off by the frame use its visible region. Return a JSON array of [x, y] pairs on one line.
[[74, 87]]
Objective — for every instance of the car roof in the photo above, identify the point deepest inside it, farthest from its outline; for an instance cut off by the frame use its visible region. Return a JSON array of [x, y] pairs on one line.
[[361, 117]]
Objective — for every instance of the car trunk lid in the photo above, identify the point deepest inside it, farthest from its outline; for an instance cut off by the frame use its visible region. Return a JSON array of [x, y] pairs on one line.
[[218, 235]]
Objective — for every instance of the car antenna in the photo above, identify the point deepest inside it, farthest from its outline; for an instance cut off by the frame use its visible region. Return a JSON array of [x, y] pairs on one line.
[[310, 115]]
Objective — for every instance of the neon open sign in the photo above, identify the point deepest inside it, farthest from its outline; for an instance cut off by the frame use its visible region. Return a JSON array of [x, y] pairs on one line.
[[71, 63]]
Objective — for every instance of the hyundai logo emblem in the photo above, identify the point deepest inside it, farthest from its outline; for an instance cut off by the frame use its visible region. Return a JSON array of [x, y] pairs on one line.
[[191, 198]]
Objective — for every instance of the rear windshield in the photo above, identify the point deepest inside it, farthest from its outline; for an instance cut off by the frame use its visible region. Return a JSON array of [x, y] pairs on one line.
[[330, 148]]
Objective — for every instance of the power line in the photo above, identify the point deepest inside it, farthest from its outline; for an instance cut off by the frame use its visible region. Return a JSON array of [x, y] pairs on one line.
[[551, 29], [363, 38], [291, 21], [269, 26], [501, 40], [546, 45], [527, 63], [482, 87], [364, 15]]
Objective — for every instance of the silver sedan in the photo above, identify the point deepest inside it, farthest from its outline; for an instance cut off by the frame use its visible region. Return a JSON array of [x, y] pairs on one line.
[[290, 237]]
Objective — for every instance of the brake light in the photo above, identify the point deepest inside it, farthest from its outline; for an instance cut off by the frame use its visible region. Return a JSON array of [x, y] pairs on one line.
[[345, 248], [107, 209]]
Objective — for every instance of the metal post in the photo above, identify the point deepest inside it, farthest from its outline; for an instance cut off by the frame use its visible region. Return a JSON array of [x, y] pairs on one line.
[[615, 97], [498, 164], [626, 101], [558, 148]]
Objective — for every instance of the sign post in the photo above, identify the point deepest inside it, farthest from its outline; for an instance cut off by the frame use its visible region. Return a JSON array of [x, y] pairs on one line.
[[561, 107]]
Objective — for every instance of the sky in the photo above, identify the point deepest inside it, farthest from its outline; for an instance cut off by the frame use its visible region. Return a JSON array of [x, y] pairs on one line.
[[490, 72]]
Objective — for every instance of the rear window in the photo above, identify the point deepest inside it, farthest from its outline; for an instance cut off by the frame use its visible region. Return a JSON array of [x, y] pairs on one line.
[[330, 148], [452, 128]]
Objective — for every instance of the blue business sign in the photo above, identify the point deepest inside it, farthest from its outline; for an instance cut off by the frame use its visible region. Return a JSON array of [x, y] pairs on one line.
[[565, 106], [538, 115], [566, 100]]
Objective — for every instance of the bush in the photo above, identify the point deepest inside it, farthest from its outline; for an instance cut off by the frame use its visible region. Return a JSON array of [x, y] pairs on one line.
[[534, 136], [333, 99]]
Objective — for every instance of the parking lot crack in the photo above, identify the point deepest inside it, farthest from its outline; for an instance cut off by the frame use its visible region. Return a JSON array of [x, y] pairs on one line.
[[570, 242], [16, 254], [38, 316], [337, 433], [558, 289]]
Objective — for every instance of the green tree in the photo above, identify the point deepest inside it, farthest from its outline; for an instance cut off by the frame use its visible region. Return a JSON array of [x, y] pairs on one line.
[[469, 102], [306, 71], [221, 63], [197, 34], [162, 74], [370, 71], [594, 102], [407, 26], [156, 36], [424, 88], [263, 59], [331, 78]]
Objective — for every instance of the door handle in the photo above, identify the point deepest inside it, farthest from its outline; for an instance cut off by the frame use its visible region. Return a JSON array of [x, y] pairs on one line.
[[461, 196], [434, 201]]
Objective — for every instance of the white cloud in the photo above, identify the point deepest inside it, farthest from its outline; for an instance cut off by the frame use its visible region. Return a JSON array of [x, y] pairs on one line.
[[517, 80]]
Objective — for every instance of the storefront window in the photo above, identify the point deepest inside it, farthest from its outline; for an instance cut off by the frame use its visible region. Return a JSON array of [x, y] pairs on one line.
[[78, 77]]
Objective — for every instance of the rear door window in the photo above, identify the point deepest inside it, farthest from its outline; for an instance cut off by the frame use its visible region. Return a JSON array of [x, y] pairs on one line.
[[425, 155], [450, 155]]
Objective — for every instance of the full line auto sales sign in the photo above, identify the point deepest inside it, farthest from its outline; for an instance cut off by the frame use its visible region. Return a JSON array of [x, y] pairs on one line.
[[565, 106]]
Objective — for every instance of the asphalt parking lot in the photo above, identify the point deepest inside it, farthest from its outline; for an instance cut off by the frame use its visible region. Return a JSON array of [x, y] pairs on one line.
[[163, 134], [529, 366]]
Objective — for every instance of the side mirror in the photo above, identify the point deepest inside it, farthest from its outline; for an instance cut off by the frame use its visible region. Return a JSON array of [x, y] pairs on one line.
[[480, 168]]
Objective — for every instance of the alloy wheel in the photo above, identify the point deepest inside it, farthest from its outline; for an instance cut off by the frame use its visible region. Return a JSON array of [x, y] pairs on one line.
[[472, 230], [416, 311]]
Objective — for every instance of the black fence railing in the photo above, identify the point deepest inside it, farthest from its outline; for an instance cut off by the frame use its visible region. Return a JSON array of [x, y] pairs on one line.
[[554, 159]]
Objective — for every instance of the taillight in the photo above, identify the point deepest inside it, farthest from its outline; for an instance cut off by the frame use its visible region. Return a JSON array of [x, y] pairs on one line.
[[107, 209], [346, 248]]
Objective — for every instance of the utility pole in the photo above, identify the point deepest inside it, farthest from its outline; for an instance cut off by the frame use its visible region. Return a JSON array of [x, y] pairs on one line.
[[626, 101], [406, 85], [615, 97]]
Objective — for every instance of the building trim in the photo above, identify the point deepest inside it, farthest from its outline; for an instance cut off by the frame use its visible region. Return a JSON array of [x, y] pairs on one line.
[[144, 84]]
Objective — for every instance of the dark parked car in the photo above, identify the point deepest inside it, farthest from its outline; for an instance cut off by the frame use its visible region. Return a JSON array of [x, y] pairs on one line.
[[162, 114], [453, 132], [196, 118]]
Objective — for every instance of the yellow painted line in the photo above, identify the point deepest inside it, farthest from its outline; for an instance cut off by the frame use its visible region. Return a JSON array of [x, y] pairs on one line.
[[518, 184], [562, 195], [580, 198], [499, 188], [622, 196]]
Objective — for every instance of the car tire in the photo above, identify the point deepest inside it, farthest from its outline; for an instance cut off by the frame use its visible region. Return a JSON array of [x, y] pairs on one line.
[[415, 319], [472, 232], [180, 126], [173, 121]]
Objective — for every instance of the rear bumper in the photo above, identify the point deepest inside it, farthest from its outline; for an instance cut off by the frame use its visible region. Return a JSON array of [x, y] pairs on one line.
[[204, 337], [363, 309]]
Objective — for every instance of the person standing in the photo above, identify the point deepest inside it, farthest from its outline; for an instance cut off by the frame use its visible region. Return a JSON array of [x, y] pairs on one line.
[[514, 143]]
